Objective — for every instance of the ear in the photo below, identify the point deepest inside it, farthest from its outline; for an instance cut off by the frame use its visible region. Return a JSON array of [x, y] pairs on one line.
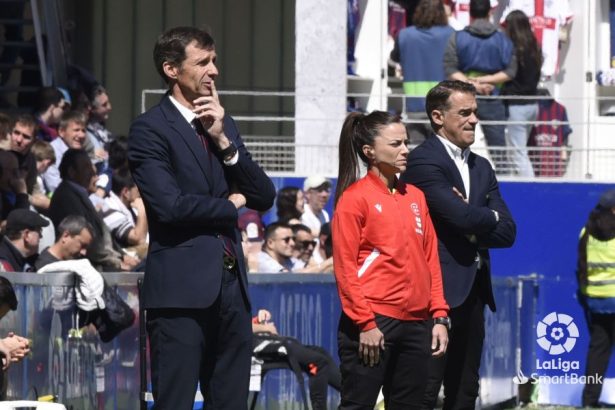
[[437, 117], [368, 151], [170, 70]]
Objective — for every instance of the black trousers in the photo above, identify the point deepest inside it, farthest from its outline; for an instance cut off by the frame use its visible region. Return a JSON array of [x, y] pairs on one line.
[[459, 368], [212, 346], [400, 372], [602, 339], [322, 371]]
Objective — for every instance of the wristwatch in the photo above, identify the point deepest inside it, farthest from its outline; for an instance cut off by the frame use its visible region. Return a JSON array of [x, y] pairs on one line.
[[446, 321], [229, 152]]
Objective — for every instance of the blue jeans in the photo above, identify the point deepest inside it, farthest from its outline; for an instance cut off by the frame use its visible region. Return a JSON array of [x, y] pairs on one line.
[[518, 135]]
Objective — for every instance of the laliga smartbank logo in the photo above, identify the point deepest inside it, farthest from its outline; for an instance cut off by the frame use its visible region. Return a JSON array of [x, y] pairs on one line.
[[557, 334]]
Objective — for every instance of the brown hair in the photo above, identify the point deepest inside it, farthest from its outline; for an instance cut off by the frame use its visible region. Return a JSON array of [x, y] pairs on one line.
[[429, 13], [358, 130], [43, 150], [171, 46]]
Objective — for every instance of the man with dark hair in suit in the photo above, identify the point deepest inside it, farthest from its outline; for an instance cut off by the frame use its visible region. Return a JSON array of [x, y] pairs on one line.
[[470, 217], [72, 198], [194, 173]]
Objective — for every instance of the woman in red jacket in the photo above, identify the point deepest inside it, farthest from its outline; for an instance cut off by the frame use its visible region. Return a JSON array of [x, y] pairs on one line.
[[386, 265]]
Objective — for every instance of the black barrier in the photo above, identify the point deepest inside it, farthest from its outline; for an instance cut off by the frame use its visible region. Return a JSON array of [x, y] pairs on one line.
[[87, 374]]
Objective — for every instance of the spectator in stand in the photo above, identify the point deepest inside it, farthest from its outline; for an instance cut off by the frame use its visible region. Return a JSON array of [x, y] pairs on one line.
[[6, 126], [252, 235], [45, 157], [13, 347], [125, 213], [387, 269], [289, 204], [305, 244], [19, 246], [71, 198], [427, 37], [317, 190], [475, 52], [22, 138], [75, 235], [277, 249], [72, 135], [529, 58], [323, 249], [98, 135], [118, 158], [13, 192], [315, 361], [50, 105]]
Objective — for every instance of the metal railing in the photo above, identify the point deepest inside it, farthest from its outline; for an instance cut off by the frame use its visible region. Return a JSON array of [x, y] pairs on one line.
[[279, 154]]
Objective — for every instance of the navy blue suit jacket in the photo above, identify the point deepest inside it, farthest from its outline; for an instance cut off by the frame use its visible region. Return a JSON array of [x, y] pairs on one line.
[[431, 169], [185, 192]]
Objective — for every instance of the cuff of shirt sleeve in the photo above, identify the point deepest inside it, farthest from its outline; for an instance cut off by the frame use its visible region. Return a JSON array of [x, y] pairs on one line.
[[233, 160], [368, 326], [497, 215], [439, 313]]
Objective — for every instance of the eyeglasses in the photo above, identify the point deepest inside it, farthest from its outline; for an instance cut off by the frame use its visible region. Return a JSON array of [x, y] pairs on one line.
[[287, 239], [22, 134], [306, 244]]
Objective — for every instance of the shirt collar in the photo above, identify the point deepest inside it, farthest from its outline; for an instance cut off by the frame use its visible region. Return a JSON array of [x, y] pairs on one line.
[[381, 186], [453, 150], [184, 111]]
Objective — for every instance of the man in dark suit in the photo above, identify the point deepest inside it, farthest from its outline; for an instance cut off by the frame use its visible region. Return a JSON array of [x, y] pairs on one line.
[[470, 217], [72, 198], [194, 173]]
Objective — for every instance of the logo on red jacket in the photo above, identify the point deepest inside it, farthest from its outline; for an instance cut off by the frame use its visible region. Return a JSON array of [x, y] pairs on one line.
[[417, 219], [415, 209]]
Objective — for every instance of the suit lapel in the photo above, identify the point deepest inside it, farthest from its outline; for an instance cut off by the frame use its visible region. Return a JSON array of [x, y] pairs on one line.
[[450, 164], [474, 178], [188, 135]]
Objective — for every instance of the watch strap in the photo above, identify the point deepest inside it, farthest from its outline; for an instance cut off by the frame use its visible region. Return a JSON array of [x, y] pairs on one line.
[[228, 152]]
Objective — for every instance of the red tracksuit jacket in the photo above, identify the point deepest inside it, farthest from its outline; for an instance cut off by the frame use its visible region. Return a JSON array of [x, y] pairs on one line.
[[385, 254]]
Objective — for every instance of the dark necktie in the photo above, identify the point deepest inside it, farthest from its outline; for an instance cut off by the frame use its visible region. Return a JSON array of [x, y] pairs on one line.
[[229, 249]]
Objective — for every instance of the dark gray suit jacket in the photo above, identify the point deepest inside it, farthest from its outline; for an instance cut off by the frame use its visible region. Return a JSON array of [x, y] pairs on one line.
[[431, 169], [185, 192]]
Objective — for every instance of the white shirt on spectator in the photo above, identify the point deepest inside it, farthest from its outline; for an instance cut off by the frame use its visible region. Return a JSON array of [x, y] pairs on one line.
[[266, 264], [51, 177], [313, 221], [118, 218]]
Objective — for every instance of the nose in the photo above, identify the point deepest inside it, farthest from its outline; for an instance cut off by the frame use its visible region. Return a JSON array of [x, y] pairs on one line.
[[213, 70]]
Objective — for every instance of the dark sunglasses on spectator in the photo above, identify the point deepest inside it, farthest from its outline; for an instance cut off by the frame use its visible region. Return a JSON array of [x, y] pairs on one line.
[[306, 244], [287, 239]]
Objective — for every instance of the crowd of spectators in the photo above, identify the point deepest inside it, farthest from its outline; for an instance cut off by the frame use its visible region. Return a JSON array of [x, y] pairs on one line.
[[60, 164]]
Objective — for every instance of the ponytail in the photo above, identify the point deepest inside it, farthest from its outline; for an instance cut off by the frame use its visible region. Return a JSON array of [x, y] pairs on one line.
[[358, 130], [348, 171]]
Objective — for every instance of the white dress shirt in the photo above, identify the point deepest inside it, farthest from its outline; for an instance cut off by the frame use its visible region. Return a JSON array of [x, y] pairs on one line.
[[460, 158]]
